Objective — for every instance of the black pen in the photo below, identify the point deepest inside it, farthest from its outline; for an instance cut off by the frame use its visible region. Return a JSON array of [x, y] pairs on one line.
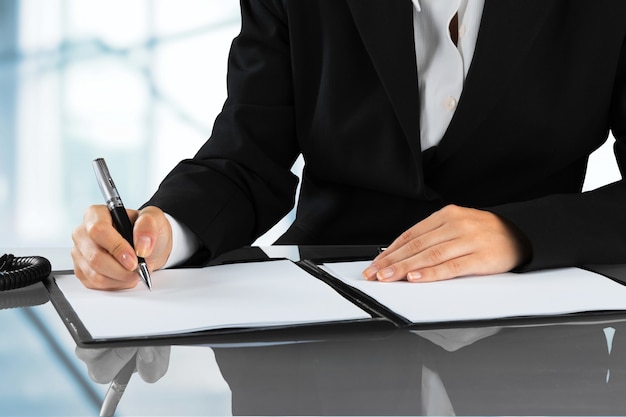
[[118, 212]]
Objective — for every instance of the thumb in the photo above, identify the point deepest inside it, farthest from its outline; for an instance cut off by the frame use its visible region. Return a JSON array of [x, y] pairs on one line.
[[152, 236]]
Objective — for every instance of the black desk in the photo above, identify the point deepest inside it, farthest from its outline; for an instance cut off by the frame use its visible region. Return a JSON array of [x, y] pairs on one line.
[[572, 367]]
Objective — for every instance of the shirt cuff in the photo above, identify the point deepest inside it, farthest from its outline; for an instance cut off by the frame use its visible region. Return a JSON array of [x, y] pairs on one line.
[[184, 243]]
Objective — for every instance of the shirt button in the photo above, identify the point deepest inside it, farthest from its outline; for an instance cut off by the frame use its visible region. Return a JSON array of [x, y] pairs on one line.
[[450, 103], [462, 30]]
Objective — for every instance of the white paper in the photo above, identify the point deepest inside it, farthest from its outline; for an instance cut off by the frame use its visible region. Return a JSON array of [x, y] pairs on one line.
[[227, 296], [542, 293]]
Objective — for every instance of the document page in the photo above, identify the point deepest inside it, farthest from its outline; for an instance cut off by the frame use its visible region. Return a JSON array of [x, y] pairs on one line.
[[257, 294], [542, 293]]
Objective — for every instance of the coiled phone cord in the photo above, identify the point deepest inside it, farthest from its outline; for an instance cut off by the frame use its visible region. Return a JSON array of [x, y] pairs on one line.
[[18, 272]]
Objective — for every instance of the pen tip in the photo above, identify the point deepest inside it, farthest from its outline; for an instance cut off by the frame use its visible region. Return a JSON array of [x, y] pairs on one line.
[[145, 275]]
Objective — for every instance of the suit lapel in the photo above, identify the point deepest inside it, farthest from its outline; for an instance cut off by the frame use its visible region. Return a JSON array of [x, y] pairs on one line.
[[386, 28], [508, 29]]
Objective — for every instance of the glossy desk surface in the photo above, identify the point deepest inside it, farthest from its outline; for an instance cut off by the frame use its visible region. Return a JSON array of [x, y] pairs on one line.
[[573, 366]]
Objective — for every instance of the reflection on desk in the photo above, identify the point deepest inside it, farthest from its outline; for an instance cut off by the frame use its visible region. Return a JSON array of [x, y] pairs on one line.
[[517, 371], [573, 367], [540, 370]]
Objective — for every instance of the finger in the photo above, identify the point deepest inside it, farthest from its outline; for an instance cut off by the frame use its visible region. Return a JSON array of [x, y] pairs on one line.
[[477, 260], [145, 231], [445, 225], [153, 236], [410, 268], [453, 268], [153, 362], [429, 224], [409, 249], [89, 355], [97, 269], [93, 256], [418, 245], [107, 368], [98, 226], [436, 220], [104, 364]]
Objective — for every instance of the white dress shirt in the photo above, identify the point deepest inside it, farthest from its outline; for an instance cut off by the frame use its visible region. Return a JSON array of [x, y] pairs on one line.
[[184, 243], [441, 66]]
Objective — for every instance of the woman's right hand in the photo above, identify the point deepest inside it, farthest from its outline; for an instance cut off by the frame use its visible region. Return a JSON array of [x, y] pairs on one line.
[[103, 364], [104, 260]]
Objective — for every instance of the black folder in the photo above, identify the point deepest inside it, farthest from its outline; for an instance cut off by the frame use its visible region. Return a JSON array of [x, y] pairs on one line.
[[380, 318]]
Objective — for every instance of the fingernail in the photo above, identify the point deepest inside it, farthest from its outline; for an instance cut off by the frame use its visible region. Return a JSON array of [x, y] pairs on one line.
[[370, 273], [129, 261], [142, 245], [146, 355], [414, 276], [385, 274]]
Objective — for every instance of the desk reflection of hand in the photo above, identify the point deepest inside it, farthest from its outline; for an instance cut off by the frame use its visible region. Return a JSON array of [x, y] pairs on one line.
[[104, 364]]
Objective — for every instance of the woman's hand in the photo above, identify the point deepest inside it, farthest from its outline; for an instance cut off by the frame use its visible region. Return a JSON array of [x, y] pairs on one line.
[[452, 242], [104, 260], [104, 363]]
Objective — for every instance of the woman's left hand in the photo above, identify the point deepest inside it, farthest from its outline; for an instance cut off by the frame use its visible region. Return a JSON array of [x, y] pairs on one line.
[[452, 242]]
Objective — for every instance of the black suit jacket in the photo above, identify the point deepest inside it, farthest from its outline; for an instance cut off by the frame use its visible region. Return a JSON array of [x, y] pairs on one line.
[[336, 80]]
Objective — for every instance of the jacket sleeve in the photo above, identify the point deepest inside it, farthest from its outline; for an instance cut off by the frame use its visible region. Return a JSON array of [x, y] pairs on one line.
[[578, 229], [239, 184]]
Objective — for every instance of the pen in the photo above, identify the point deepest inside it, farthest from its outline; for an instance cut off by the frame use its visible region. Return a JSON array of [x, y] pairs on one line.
[[117, 388], [118, 212]]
